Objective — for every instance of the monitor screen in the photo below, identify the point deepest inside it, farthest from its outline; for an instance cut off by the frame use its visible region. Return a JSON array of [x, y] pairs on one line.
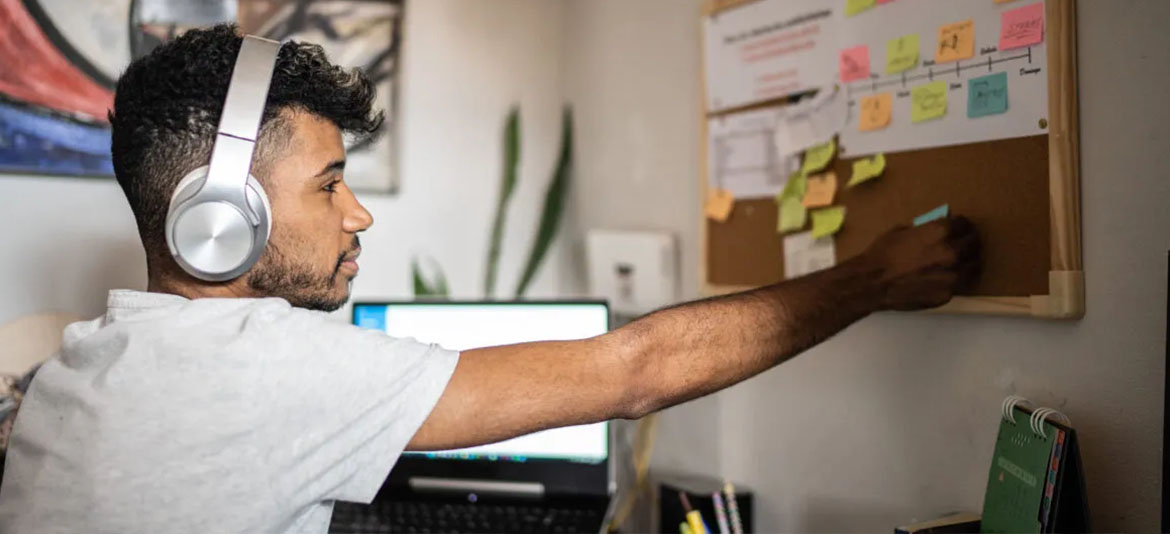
[[467, 325]]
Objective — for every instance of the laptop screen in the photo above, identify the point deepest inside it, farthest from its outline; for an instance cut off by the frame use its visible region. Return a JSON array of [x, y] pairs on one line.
[[467, 325]]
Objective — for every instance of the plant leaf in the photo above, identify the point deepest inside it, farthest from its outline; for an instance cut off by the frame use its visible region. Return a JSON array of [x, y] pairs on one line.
[[425, 290], [507, 187], [554, 204], [421, 289]]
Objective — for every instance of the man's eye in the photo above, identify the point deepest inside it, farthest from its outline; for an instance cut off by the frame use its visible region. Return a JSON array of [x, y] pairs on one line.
[[331, 187]]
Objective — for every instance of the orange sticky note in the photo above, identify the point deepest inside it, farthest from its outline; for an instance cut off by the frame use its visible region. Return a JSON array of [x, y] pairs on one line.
[[875, 112], [719, 204], [821, 190], [1022, 26], [854, 63], [955, 41]]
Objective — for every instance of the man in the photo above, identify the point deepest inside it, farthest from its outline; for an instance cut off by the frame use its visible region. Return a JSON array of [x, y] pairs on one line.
[[240, 407]]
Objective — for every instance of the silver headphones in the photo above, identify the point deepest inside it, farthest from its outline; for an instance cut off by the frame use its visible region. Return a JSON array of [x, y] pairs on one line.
[[219, 219]]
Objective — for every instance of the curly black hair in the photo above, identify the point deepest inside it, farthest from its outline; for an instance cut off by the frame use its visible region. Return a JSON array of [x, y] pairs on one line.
[[167, 106]]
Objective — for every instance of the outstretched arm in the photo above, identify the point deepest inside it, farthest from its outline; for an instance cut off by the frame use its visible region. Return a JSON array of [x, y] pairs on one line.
[[687, 351]]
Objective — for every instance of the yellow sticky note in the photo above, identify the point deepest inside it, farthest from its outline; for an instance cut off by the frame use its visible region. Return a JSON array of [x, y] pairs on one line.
[[719, 204], [827, 221], [817, 157], [821, 190], [853, 7], [901, 53], [866, 169], [955, 41], [928, 102], [792, 215], [876, 111]]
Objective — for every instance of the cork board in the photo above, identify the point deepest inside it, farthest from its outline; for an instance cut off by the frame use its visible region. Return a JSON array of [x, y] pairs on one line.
[[1022, 194]]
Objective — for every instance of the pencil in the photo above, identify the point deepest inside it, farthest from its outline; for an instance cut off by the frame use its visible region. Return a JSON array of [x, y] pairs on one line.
[[733, 508]]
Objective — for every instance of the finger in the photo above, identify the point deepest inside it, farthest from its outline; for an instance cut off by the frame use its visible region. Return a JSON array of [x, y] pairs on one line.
[[958, 225], [968, 275], [967, 246]]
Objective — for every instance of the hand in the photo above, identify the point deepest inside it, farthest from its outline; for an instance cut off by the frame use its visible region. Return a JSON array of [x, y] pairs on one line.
[[924, 266]]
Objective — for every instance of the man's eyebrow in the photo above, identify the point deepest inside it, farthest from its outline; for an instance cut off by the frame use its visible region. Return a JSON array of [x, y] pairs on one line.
[[333, 166]]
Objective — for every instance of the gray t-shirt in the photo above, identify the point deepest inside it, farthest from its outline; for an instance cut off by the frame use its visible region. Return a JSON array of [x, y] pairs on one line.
[[213, 416]]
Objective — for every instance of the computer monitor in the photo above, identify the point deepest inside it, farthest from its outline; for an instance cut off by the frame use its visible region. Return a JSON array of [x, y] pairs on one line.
[[543, 456]]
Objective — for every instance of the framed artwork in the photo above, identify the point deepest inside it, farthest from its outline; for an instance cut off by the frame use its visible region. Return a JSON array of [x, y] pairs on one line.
[[61, 59]]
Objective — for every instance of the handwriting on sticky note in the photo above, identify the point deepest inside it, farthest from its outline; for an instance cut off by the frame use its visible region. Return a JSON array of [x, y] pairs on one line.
[[817, 157], [822, 188], [935, 214], [827, 221], [854, 63], [901, 53], [719, 204], [955, 41], [792, 216], [1022, 26], [853, 7], [866, 169], [928, 102], [987, 95], [875, 112]]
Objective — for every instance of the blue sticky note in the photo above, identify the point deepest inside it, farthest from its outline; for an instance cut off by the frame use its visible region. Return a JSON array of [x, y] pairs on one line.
[[933, 215], [987, 95]]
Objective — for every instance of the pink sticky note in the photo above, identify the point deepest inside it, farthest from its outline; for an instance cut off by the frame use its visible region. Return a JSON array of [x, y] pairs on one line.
[[854, 63], [1022, 27], [884, 1]]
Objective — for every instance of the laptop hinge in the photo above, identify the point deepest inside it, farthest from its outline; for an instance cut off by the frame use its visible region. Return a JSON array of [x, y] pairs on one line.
[[423, 484]]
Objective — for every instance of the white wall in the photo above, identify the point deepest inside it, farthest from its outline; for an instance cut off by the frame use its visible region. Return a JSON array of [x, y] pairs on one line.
[[65, 243], [895, 419]]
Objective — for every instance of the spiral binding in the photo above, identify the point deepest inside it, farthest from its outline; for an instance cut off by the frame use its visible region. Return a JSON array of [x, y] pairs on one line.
[[1036, 420], [1041, 414], [1009, 406]]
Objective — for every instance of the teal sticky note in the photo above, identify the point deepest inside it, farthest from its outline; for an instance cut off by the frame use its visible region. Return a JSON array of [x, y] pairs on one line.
[[933, 215], [987, 95]]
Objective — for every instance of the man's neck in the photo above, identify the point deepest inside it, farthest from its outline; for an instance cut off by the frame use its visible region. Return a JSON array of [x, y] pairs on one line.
[[189, 287]]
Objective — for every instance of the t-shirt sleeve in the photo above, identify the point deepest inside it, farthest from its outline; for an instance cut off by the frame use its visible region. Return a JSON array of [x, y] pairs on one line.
[[359, 397]]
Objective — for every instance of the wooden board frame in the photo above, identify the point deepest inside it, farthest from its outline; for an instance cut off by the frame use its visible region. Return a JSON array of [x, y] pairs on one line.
[[1066, 281]]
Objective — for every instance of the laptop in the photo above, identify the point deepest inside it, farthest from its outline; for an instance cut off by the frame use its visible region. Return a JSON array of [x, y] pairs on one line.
[[559, 480]]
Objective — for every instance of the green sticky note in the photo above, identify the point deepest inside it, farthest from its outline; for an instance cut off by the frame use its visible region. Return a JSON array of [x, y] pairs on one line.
[[853, 7], [901, 53], [793, 215], [796, 187], [935, 214], [987, 95], [827, 221], [867, 169], [928, 102], [817, 157]]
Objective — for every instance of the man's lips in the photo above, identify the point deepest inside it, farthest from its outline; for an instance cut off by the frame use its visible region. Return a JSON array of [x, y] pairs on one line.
[[350, 261]]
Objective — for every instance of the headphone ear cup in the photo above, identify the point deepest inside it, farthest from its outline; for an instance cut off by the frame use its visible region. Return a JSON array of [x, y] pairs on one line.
[[258, 201], [188, 186]]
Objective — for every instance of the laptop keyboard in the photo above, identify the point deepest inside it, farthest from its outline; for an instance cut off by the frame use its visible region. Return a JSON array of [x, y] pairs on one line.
[[440, 517]]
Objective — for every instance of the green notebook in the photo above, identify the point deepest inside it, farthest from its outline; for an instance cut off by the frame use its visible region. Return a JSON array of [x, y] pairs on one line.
[[1035, 483]]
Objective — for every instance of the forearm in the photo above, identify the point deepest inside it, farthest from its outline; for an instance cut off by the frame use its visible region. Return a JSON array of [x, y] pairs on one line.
[[697, 348]]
